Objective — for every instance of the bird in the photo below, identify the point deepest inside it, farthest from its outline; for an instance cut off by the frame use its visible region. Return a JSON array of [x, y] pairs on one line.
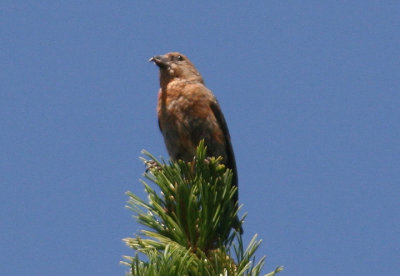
[[188, 112]]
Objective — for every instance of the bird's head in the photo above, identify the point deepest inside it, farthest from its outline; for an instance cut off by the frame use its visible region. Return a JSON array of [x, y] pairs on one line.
[[176, 66]]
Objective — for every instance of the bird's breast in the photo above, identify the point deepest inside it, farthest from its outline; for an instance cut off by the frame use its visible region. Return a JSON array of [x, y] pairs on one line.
[[185, 117]]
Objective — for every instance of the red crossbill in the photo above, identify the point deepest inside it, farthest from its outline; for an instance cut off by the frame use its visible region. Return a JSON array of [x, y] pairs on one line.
[[189, 112]]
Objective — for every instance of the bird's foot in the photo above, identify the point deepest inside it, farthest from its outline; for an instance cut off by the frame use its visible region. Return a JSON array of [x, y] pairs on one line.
[[152, 165]]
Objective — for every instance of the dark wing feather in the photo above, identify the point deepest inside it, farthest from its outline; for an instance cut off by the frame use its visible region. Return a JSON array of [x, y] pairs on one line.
[[159, 125], [230, 163]]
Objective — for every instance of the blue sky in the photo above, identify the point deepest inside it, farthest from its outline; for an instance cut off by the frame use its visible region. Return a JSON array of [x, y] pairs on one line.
[[310, 91]]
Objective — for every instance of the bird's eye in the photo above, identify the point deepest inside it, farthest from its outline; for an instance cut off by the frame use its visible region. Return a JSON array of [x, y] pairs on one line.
[[180, 58]]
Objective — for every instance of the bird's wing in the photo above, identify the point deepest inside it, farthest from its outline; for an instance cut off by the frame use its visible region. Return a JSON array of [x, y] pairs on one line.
[[230, 163], [159, 125]]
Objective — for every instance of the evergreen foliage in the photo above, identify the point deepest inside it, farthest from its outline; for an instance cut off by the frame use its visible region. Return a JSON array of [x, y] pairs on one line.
[[190, 222]]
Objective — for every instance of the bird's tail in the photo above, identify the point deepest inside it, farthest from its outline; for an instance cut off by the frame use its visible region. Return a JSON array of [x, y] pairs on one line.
[[238, 225]]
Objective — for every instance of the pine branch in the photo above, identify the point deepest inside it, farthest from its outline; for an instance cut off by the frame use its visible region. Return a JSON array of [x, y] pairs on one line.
[[190, 222]]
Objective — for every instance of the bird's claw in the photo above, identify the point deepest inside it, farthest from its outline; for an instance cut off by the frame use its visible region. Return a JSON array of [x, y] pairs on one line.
[[152, 165]]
